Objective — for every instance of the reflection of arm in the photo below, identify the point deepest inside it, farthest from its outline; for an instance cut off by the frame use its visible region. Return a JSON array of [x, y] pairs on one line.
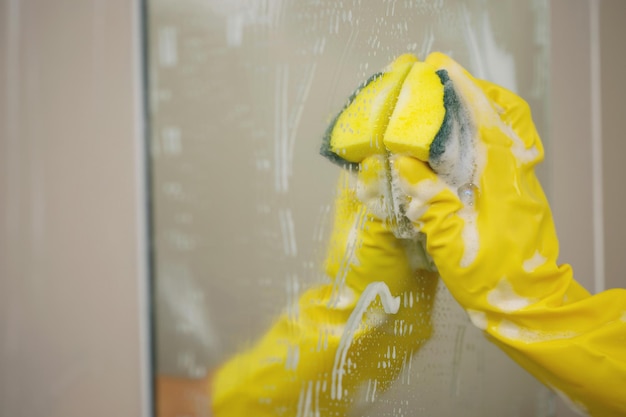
[[330, 349]]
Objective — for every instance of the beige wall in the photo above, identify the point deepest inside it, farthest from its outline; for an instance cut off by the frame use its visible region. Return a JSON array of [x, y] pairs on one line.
[[72, 254], [587, 109], [613, 114], [72, 288]]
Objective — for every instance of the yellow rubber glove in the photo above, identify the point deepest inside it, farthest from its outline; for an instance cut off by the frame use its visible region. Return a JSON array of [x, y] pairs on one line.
[[345, 342], [473, 192]]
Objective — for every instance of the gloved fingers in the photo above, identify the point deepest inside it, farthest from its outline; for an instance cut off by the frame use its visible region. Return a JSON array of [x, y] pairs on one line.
[[516, 116], [362, 248], [372, 187], [348, 217], [479, 106], [499, 116], [427, 196], [433, 206]]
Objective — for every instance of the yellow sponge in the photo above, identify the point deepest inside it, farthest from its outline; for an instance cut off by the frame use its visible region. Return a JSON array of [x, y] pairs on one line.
[[419, 113], [358, 130]]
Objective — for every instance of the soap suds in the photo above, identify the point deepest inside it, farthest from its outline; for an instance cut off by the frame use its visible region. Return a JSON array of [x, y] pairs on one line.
[[478, 318], [533, 263], [349, 259], [304, 401], [470, 235], [390, 304], [504, 297], [420, 195], [345, 298], [518, 148], [417, 256], [509, 330], [293, 357], [512, 331], [485, 114], [453, 153]]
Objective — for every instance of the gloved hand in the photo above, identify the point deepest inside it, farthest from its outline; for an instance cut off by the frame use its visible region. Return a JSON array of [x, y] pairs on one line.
[[470, 188], [349, 338]]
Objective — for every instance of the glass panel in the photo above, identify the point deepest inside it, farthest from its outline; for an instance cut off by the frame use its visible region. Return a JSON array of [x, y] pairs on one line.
[[241, 93]]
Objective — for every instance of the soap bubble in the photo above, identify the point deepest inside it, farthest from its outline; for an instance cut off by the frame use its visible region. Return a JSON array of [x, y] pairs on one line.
[[467, 193]]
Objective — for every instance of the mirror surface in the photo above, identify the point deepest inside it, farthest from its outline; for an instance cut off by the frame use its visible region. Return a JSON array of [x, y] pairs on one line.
[[241, 93]]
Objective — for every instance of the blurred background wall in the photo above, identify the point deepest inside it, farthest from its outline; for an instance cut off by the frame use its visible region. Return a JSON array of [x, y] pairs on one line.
[[72, 212]]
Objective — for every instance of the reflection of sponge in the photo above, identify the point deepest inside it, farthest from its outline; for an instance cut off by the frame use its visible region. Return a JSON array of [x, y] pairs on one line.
[[399, 110], [418, 115], [357, 131]]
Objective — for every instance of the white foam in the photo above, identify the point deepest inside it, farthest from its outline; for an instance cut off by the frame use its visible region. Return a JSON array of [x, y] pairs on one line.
[[390, 304], [534, 262], [371, 390], [485, 113], [345, 298], [509, 330], [470, 235], [523, 154], [478, 318], [349, 259], [504, 297], [461, 163], [512, 331], [293, 357], [457, 165], [305, 400], [421, 194], [488, 60], [375, 194]]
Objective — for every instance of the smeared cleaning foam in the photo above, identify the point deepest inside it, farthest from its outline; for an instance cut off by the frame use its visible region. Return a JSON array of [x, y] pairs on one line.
[[512, 331], [535, 262], [505, 299], [373, 187], [421, 194], [470, 236], [486, 114], [390, 304], [509, 330], [455, 154], [522, 154], [305, 400], [478, 318], [345, 298]]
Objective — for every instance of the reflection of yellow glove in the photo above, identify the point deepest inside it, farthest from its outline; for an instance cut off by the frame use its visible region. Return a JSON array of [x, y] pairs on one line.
[[471, 189], [333, 349]]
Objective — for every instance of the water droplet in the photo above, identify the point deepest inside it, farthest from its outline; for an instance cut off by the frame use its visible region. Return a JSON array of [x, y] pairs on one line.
[[467, 193]]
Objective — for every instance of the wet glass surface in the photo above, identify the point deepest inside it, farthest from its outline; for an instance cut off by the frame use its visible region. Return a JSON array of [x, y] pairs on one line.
[[241, 93]]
